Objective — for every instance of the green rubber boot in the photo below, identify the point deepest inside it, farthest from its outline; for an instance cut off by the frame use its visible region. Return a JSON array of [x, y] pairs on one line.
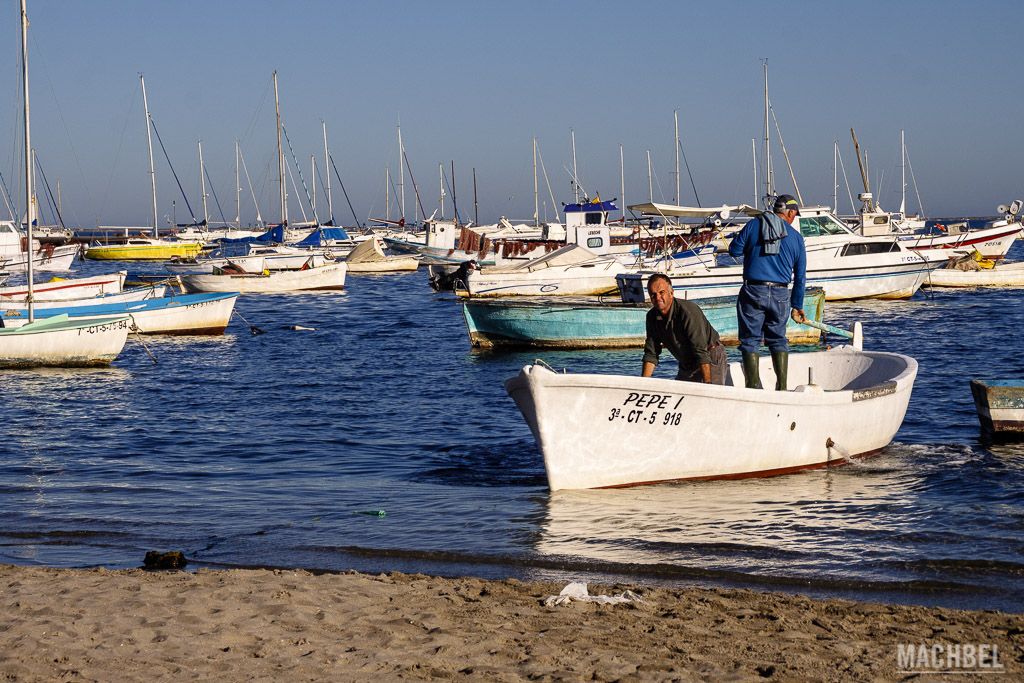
[[752, 370], [780, 361]]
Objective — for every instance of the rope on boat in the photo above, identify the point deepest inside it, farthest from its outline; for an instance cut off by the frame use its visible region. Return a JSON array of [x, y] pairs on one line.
[[253, 330], [135, 330]]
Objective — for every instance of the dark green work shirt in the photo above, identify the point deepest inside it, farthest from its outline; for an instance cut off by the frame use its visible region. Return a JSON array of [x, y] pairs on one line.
[[685, 332]]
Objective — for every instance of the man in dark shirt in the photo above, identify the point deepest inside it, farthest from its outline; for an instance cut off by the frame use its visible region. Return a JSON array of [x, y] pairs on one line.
[[681, 327]]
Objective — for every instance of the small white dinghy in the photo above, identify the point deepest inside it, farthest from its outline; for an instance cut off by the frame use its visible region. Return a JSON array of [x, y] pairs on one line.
[[330, 276], [599, 431], [1000, 275]]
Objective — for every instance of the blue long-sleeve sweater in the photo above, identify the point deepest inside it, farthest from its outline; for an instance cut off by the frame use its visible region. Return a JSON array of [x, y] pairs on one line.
[[789, 265]]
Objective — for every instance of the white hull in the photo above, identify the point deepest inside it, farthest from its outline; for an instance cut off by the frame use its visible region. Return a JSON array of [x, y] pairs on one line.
[[1003, 275], [895, 281], [54, 342], [331, 276], [250, 264], [393, 264], [605, 431], [57, 261], [204, 317], [992, 243], [66, 289], [134, 294]]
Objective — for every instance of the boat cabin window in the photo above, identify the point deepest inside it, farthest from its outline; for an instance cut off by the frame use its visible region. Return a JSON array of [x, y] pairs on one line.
[[880, 220], [594, 242], [593, 218], [862, 248], [814, 226]]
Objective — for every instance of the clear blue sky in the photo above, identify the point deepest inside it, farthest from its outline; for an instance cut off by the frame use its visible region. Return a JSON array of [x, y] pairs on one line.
[[473, 82]]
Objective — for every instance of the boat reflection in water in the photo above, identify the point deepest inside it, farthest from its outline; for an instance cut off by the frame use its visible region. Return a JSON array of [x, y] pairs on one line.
[[882, 528]]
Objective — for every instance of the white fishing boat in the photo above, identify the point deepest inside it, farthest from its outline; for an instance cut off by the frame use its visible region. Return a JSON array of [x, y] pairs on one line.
[[45, 257], [70, 288], [124, 296], [55, 341], [599, 431], [999, 275], [369, 257], [330, 276], [185, 314], [250, 264], [845, 265]]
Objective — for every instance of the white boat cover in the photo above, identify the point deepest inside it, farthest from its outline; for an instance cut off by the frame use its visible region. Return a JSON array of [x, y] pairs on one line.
[[367, 251], [723, 212], [569, 255]]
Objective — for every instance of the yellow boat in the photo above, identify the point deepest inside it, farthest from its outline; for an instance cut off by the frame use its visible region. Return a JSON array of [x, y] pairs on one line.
[[144, 249]]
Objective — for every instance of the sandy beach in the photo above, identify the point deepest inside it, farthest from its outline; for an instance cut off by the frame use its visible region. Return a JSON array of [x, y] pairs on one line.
[[273, 625]]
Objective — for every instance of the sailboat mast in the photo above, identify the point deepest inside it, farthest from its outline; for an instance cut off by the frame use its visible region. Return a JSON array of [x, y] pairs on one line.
[[387, 193], [327, 172], [769, 179], [675, 115], [622, 184], [440, 195], [149, 141], [29, 194], [202, 186], [575, 174], [650, 181], [238, 192], [753, 150], [536, 187], [312, 176], [280, 157], [476, 208], [835, 175], [401, 169], [903, 176]]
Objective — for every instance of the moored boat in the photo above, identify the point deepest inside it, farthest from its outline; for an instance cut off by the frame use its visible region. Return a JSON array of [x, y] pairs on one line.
[[589, 324], [330, 276], [1000, 406], [1000, 275], [58, 288], [63, 342], [369, 257], [187, 314], [144, 249], [607, 430]]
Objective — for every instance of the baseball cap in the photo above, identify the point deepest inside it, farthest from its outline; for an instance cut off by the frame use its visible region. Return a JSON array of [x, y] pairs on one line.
[[786, 202]]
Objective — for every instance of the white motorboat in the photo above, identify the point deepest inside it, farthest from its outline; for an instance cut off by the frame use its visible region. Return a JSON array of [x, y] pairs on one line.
[[45, 257], [599, 431], [846, 265], [71, 288], [330, 276]]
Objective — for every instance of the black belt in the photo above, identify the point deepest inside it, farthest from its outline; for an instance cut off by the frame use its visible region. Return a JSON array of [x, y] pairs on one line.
[[765, 283]]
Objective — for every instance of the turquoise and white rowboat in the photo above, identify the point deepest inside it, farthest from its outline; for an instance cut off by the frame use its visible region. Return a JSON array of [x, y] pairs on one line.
[[591, 324], [61, 341]]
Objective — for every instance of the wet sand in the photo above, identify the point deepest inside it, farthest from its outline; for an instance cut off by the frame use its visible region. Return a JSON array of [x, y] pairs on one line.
[[271, 625]]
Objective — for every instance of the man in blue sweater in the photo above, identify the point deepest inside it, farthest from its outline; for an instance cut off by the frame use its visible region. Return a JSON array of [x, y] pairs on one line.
[[773, 256]]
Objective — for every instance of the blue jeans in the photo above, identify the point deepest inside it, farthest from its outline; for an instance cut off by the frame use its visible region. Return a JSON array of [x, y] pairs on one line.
[[762, 312]]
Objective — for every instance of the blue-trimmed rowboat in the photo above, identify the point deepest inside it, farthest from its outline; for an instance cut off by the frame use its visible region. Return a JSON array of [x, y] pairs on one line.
[[184, 314], [587, 323]]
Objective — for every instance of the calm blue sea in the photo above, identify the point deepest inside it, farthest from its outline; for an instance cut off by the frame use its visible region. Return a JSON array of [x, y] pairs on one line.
[[279, 449]]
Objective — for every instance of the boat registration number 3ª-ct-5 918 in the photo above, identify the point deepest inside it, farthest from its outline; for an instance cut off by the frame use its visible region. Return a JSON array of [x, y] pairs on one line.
[[652, 409]]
